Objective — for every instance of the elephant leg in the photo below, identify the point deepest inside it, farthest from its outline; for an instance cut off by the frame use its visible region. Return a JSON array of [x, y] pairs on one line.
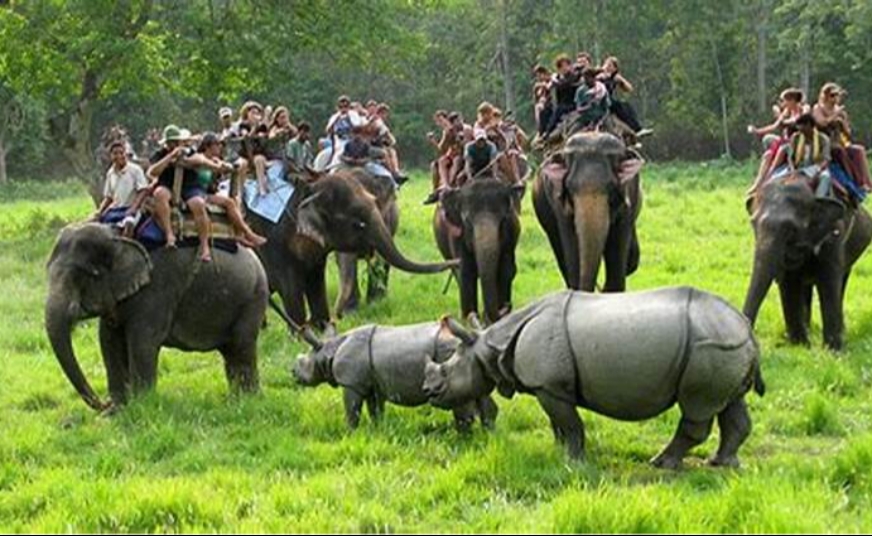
[[807, 294], [291, 290], [507, 271], [548, 220], [793, 307], [565, 422], [616, 254], [634, 255], [114, 350], [353, 406], [349, 292], [316, 295], [688, 435], [487, 412], [143, 348], [829, 287], [377, 282], [375, 405], [240, 355], [735, 425], [468, 282]]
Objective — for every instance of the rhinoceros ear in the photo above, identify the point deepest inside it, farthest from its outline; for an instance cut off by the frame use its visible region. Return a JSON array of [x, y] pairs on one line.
[[456, 328]]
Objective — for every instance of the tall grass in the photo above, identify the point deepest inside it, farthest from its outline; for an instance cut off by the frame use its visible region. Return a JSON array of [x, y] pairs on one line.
[[189, 457]]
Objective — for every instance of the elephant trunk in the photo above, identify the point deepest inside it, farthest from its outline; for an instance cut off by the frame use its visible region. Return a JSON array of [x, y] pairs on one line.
[[60, 318], [766, 261], [384, 244], [486, 237], [591, 213]]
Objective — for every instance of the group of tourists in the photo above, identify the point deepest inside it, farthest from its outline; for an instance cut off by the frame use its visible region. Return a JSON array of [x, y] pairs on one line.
[[208, 168], [493, 146], [588, 90], [813, 141]]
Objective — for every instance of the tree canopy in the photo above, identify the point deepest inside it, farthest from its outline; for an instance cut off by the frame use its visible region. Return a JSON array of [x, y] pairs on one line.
[[702, 70]]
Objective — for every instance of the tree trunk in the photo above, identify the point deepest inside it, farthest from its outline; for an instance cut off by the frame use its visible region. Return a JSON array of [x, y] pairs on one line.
[[723, 91], [3, 178], [805, 70], [762, 58], [508, 84]]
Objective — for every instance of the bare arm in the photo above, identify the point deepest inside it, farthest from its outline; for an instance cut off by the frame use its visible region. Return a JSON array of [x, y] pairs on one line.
[[158, 167], [623, 83]]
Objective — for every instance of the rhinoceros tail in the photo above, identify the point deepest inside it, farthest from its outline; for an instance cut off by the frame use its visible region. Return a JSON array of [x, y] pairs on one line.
[[759, 385]]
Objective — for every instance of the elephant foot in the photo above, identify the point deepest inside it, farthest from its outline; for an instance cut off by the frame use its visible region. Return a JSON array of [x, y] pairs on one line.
[[665, 461], [376, 295], [731, 462], [350, 306], [111, 409]]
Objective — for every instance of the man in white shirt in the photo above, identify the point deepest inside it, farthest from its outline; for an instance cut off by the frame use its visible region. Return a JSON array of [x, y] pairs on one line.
[[124, 191]]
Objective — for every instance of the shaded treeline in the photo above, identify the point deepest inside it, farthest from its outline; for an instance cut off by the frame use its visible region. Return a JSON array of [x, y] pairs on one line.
[[703, 69]]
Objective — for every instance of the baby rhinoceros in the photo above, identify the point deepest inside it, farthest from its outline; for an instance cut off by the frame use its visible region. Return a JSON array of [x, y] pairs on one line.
[[628, 356], [375, 364]]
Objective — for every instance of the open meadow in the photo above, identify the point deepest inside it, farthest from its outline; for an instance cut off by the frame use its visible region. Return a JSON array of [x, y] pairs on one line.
[[190, 457]]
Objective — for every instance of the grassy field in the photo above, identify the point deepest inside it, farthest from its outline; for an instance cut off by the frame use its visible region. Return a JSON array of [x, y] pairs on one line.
[[192, 458]]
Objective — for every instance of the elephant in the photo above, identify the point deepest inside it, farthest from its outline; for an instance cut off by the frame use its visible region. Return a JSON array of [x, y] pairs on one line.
[[804, 242], [168, 298], [378, 270], [478, 224], [629, 356], [375, 364], [332, 212], [587, 200]]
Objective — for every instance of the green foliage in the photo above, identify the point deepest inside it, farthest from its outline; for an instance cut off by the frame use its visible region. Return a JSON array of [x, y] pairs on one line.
[[191, 458]]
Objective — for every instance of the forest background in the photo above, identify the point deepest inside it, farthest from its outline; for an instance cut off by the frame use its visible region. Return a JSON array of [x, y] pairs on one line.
[[702, 69]]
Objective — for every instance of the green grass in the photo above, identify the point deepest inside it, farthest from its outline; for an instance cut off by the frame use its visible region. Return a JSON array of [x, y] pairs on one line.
[[192, 458]]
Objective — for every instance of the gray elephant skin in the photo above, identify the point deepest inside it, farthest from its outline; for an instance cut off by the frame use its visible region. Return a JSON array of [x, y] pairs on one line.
[[805, 243], [589, 213], [627, 356], [332, 212], [484, 215], [378, 364], [348, 299], [168, 298]]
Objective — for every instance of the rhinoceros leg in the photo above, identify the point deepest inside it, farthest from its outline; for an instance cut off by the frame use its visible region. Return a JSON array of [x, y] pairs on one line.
[[487, 412], [375, 405], [464, 417], [567, 426], [353, 406], [688, 435], [735, 425]]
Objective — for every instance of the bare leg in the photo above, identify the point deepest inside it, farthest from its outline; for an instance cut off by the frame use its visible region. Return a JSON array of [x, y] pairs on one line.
[[197, 205], [688, 435], [735, 425], [162, 198], [236, 219], [765, 163], [260, 172]]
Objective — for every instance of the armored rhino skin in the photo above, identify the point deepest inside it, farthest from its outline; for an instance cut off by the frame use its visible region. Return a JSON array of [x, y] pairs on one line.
[[375, 364], [628, 356]]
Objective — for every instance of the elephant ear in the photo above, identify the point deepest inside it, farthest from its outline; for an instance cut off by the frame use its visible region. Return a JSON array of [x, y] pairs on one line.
[[452, 204], [351, 363], [826, 218], [131, 268]]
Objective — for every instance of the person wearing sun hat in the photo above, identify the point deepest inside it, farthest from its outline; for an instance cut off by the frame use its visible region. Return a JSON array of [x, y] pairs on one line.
[[162, 172]]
